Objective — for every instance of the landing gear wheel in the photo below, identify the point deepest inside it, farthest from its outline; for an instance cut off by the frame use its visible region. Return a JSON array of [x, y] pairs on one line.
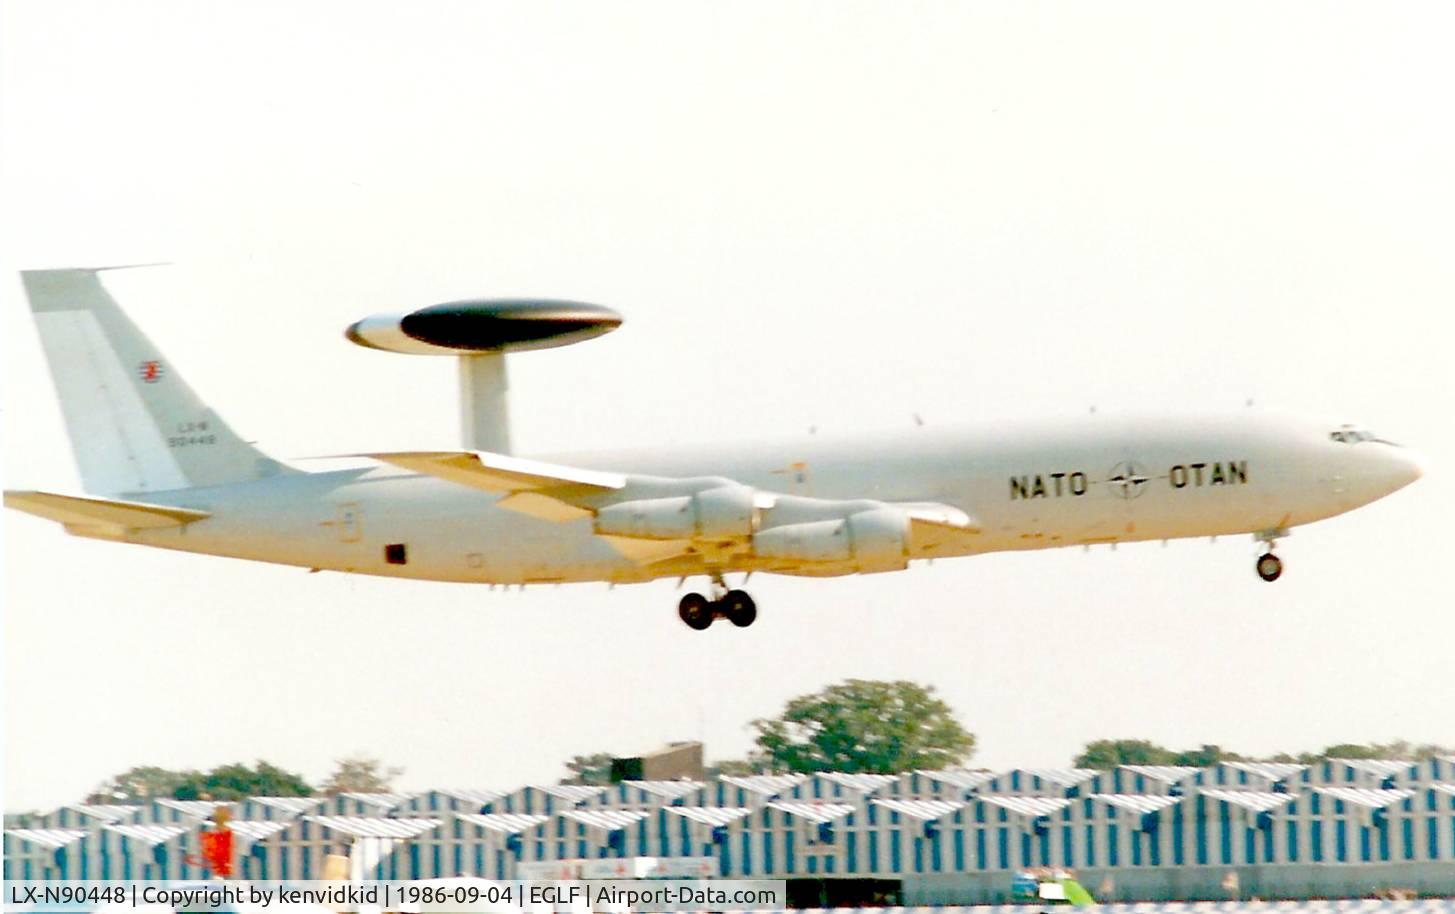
[[739, 608], [695, 611], [1269, 566]]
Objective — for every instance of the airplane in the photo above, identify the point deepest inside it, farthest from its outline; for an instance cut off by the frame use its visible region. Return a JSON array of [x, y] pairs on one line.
[[161, 469]]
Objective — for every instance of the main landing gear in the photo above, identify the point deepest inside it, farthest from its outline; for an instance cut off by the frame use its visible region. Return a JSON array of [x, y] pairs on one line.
[[733, 605], [1269, 566]]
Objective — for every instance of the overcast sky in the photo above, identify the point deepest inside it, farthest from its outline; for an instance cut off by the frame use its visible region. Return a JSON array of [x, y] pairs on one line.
[[833, 215]]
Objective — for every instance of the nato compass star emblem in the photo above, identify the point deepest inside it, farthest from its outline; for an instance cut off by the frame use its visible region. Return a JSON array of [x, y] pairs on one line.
[[1128, 479]]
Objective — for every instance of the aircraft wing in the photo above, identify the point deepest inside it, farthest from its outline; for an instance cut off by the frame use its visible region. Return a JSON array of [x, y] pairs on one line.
[[533, 487], [103, 515], [651, 519]]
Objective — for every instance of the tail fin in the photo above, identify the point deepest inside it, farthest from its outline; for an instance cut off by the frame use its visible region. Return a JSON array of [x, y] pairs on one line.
[[135, 425]]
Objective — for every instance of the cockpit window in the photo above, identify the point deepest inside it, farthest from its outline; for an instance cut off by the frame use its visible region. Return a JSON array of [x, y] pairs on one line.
[[1351, 435]]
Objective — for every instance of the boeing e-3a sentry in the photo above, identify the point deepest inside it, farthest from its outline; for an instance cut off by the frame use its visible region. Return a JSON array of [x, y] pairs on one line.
[[161, 469]]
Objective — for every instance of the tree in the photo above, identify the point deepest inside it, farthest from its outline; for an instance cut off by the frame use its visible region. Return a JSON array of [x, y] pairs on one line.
[[1108, 753], [1400, 749], [237, 781], [141, 784], [225, 782], [589, 769], [360, 774], [733, 767], [272, 781], [864, 725], [1105, 754], [1207, 756], [1426, 751], [1349, 750]]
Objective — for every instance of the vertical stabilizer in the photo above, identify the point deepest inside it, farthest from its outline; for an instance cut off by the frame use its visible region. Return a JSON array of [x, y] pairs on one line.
[[135, 425]]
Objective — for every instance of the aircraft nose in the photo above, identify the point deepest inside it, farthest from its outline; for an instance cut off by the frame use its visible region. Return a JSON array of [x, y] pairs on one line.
[[1402, 467], [1416, 465]]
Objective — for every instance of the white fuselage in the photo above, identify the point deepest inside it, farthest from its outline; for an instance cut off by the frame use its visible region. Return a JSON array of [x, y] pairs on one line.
[[1027, 485]]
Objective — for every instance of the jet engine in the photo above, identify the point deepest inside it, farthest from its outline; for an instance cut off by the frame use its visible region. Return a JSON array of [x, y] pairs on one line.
[[873, 540], [723, 513]]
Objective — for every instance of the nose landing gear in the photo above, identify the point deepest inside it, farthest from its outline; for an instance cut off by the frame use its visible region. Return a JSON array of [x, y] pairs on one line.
[[736, 606], [1269, 566]]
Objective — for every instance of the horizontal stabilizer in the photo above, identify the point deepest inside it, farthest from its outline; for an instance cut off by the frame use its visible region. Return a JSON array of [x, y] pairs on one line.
[[100, 515]]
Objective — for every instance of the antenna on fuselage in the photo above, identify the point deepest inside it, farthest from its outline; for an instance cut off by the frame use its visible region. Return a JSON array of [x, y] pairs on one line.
[[479, 333]]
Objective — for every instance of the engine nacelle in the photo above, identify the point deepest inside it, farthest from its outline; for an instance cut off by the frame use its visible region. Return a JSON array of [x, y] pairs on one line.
[[714, 514], [873, 540]]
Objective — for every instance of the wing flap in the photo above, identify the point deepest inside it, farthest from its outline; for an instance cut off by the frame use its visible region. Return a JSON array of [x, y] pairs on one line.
[[543, 506], [933, 512], [107, 513], [934, 527], [645, 552], [930, 536]]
